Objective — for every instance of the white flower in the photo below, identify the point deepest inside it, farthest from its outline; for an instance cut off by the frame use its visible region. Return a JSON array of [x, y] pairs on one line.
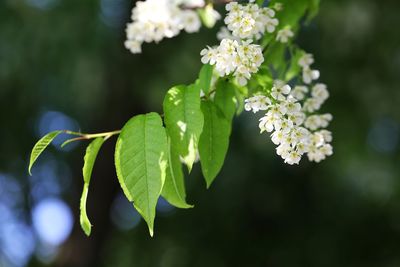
[[277, 137], [306, 60], [299, 92], [295, 132], [279, 90], [257, 103], [134, 46], [315, 122], [284, 35], [191, 21], [232, 57], [320, 92], [249, 21], [312, 104], [266, 124], [208, 56], [293, 107], [318, 154], [271, 24], [309, 75], [154, 20], [293, 157], [327, 135], [190, 3]]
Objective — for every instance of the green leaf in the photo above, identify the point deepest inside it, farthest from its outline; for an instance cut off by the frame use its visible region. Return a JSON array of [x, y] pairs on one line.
[[225, 98], [294, 68], [141, 163], [40, 146], [313, 9], [205, 78], [174, 186], [214, 141], [292, 12], [275, 56], [90, 157], [184, 120], [240, 93]]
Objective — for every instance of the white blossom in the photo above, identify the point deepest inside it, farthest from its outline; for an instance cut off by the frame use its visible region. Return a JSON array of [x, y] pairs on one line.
[[320, 92], [257, 103], [154, 20], [299, 92], [279, 90], [249, 21], [310, 75], [240, 58], [292, 129], [284, 35], [306, 60]]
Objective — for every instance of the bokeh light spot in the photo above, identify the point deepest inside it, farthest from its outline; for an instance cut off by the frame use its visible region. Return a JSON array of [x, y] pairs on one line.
[[53, 221]]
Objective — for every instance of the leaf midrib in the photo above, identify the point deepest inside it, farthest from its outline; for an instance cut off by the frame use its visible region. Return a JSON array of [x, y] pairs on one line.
[[145, 167], [173, 176]]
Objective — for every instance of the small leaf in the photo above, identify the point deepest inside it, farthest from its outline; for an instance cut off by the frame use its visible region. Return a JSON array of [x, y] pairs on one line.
[[214, 141], [184, 120], [40, 146], [174, 187], [90, 157], [225, 98], [205, 78], [141, 163]]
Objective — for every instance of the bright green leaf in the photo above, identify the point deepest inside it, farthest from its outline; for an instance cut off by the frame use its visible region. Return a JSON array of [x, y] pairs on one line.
[[40, 146], [90, 157], [205, 78], [141, 163], [225, 98], [294, 68], [214, 141], [184, 120], [174, 186]]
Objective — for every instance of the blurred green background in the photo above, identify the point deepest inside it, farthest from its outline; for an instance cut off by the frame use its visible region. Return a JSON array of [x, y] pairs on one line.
[[63, 65]]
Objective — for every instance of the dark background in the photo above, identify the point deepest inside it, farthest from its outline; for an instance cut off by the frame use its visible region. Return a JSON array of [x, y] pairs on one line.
[[63, 65]]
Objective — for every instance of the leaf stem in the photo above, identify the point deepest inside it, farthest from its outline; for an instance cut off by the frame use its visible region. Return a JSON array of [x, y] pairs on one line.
[[85, 136], [91, 136]]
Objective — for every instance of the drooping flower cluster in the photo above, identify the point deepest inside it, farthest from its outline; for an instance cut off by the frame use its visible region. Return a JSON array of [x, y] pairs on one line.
[[240, 58], [294, 127], [250, 21], [236, 53], [154, 20]]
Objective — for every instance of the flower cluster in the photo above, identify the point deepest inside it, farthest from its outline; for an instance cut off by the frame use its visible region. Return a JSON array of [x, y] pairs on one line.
[[154, 20], [250, 21], [236, 54], [294, 128], [240, 58]]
